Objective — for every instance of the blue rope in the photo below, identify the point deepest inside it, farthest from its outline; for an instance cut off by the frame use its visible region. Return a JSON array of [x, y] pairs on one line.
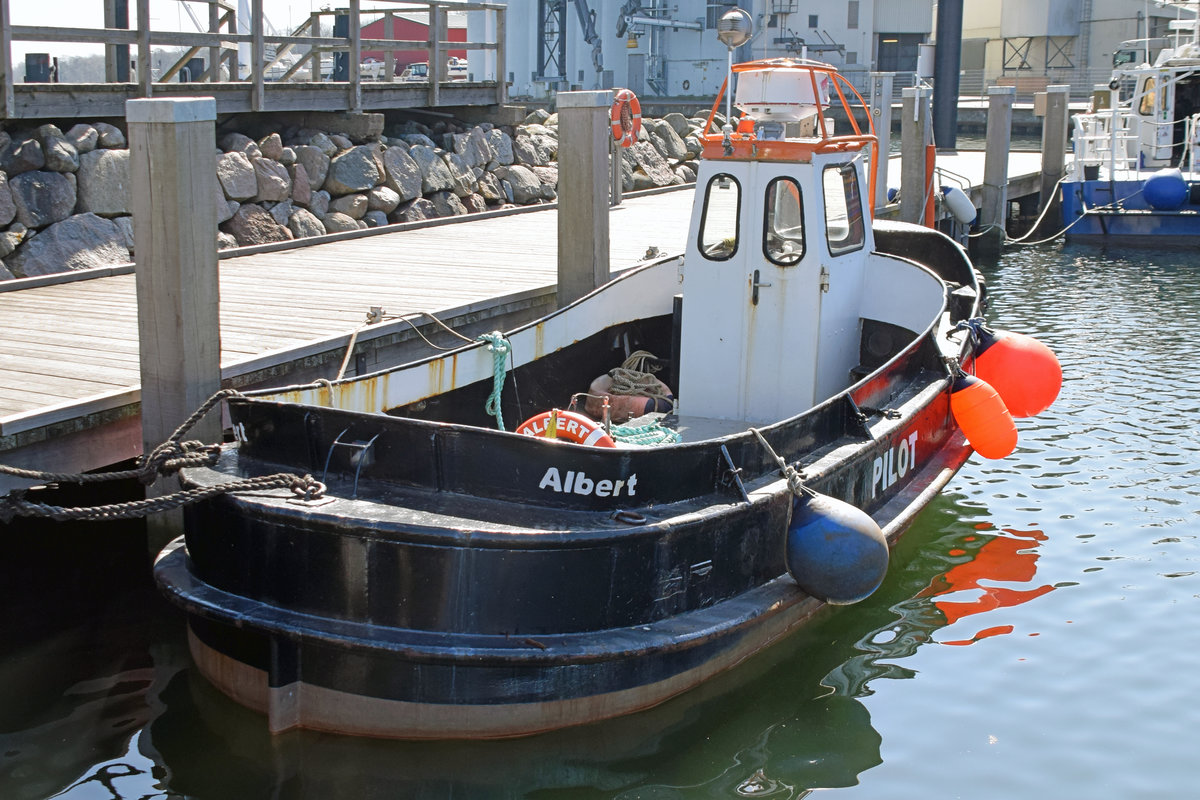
[[500, 348]]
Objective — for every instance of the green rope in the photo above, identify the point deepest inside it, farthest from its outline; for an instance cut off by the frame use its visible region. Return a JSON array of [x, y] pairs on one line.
[[649, 434], [500, 348]]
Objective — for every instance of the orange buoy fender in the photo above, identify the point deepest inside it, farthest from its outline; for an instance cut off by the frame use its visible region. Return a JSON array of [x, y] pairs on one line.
[[834, 551], [566, 425], [981, 414], [626, 117], [1024, 371]]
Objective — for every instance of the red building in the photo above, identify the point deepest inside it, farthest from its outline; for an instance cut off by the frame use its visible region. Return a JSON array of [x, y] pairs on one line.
[[405, 28]]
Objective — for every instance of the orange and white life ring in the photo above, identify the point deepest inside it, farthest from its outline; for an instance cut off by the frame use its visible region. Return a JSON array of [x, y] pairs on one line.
[[626, 117], [566, 425]]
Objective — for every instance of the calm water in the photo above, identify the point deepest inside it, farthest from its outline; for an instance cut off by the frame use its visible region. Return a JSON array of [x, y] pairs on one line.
[[1036, 636]]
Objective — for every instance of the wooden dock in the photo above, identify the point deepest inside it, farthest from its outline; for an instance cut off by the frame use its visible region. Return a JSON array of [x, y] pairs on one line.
[[69, 351]]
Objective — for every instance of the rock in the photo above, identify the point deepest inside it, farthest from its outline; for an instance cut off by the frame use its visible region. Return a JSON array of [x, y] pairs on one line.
[[253, 225], [381, 198], [435, 175], [22, 155], [125, 225], [5, 141], [526, 188], [82, 242], [375, 219], [324, 144], [665, 140], [678, 122], [462, 175], [339, 223], [641, 181], [301, 188], [236, 176], [502, 145], [43, 198], [11, 239], [319, 205], [413, 211], [490, 189], [84, 138], [241, 143], [648, 160], [60, 155], [537, 130], [341, 142], [274, 185], [402, 173], [474, 203], [447, 204], [352, 205], [282, 212], [302, 223], [109, 136], [694, 147], [8, 209], [534, 150], [474, 147], [685, 173], [548, 176], [226, 208], [104, 182], [355, 170], [537, 116], [315, 163], [225, 241], [271, 146], [287, 156], [414, 139]]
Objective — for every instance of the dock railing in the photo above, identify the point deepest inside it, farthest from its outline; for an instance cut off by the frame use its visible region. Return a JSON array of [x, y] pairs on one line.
[[246, 53]]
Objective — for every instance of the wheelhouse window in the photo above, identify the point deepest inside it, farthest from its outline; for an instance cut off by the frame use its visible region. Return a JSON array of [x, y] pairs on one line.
[[719, 223], [1146, 108], [783, 223], [844, 227]]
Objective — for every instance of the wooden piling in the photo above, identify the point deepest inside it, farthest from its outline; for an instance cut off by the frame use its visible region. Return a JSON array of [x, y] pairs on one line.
[[174, 195], [993, 215], [914, 136], [1054, 148], [881, 112], [583, 192]]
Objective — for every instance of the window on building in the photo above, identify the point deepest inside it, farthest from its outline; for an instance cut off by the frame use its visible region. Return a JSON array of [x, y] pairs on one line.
[[852, 14], [851, 57], [715, 9], [783, 224], [812, 21], [898, 51], [719, 223], [843, 209]]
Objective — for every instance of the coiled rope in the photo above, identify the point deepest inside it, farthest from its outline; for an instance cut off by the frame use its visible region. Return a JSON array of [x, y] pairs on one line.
[[635, 377], [649, 434], [500, 348]]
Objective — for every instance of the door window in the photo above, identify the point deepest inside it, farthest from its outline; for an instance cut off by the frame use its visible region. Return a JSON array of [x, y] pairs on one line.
[[783, 223]]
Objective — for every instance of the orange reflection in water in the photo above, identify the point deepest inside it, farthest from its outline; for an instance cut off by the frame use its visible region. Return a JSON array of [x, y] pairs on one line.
[[1010, 557]]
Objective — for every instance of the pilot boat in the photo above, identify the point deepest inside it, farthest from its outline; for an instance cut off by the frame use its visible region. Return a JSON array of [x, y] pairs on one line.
[[1134, 172], [462, 576]]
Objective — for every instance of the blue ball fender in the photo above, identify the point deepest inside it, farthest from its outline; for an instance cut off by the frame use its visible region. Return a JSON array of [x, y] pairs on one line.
[[835, 551], [1165, 190]]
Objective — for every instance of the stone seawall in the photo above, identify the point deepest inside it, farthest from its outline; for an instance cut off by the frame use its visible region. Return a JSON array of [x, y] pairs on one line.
[[64, 197]]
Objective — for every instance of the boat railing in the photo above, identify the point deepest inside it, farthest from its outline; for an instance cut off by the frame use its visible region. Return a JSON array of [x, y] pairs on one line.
[[1107, 138], [1191, 156]]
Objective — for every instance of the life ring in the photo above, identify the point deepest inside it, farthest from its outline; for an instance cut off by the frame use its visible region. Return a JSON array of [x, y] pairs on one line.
[[570, 426], [626, 117]]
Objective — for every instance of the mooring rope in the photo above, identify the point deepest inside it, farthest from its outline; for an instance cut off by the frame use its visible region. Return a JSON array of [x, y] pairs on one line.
[[795, 478], [500, 348]]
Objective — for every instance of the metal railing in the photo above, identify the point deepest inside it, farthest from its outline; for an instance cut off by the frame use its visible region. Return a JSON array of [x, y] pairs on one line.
[[302, 56]]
